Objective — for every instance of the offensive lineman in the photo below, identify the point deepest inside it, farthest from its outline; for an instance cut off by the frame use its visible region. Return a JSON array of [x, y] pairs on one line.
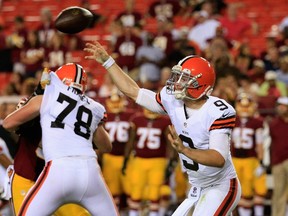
[[70, 121]]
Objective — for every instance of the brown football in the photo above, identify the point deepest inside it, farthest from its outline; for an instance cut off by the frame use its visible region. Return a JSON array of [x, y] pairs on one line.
[[73, 20]]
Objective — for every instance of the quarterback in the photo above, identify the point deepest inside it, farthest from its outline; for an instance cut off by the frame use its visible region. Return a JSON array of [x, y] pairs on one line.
[[200, 131]]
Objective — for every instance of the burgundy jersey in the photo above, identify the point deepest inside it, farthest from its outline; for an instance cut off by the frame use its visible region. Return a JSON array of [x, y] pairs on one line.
[[26, 162], [129, 18], [126, 47], [279, 136], [243, 143], [168, 8], [150, 141], [56, 57], [118, 126]]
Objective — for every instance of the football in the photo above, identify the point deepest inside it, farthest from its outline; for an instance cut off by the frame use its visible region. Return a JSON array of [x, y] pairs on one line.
[[73, 20]]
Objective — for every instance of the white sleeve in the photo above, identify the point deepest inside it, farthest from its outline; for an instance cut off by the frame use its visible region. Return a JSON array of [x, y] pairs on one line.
[[220, 141], [147, 98]]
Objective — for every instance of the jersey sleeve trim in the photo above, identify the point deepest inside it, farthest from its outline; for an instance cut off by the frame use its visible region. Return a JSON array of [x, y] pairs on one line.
[[228, 122], [158, 99]]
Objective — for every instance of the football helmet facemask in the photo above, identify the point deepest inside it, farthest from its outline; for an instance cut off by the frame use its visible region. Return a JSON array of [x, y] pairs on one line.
[[245, 106], [73, 75], [192, 78]]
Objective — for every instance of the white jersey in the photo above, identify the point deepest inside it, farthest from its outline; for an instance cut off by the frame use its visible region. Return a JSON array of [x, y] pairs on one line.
[[68, 121], [215, 114]]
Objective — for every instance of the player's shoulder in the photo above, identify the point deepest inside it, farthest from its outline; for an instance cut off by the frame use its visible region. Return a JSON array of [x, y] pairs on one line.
[[219, 108]]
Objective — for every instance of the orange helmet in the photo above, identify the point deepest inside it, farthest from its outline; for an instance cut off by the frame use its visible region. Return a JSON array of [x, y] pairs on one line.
[[192, 78], [73, 75], [245, 105]]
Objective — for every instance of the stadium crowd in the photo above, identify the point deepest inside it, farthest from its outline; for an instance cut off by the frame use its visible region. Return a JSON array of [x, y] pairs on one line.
[[146, 46]]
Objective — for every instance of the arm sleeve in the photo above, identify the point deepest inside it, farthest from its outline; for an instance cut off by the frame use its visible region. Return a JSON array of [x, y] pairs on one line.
[[220, 141], [147, 98]]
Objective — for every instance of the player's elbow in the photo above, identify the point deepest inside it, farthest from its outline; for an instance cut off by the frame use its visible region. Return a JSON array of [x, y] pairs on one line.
[[220, 163], [8, 125], [104, 147]]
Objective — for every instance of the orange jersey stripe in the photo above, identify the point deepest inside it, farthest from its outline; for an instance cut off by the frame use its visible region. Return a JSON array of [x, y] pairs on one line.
[[223, 123], [36, 188], [229, 199], [158, 99], [232, 125]]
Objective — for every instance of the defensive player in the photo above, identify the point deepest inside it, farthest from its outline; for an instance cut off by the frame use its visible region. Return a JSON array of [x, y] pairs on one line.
[[200, 133], [247, 156], [148, 140], [118, 126], [70, 121]]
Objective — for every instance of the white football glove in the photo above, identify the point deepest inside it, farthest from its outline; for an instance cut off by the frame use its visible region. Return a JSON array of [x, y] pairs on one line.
[[260, 170]]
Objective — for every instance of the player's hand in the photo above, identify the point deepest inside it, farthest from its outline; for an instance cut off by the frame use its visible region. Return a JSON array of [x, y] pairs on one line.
[[96, 51], [260, 170], [175, 140]]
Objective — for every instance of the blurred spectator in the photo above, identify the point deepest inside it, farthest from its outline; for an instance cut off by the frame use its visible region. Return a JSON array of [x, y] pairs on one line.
[[227, 85], [28, 87], [19, 35], [56, 52], [246, 85], [125, 50], [46, 27], [271, 59], [165, 75], [181, 48], [97, 18], [270, 42], [282, 72], [73, 42], [107, 87], [92, 86], [279, 157], [204, 30], [15, 84], [149, 59], [213, 7], [235, 26], [163, 37], [5, 53], [257, 72], [283, 24], [271, 86], [244, 59], [217, 51], [32, 54], [164, 8], [17, 40], [129, 16]]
